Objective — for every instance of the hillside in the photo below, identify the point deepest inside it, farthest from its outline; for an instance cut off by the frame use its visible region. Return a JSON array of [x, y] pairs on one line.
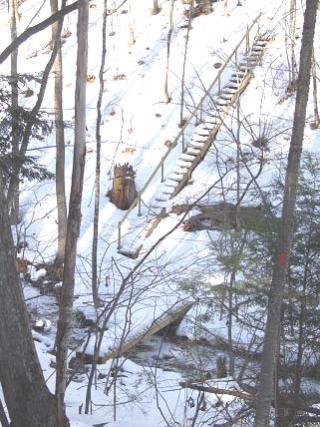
[[160, 254]]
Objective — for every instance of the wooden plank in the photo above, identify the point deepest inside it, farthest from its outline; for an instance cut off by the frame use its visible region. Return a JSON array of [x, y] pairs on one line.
[[158, 324]]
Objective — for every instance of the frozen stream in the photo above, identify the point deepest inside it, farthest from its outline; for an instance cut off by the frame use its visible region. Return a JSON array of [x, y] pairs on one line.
[[194, 360]]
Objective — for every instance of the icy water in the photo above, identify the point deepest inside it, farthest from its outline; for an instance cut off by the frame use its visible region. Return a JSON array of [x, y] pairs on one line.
[[186, 357], [190, 359]]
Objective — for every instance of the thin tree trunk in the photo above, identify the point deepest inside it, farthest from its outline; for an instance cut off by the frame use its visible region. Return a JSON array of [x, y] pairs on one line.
[[184, 65], [296, 383], [230, 321], [132, 37], [28, 399], [74, 218], [95, 284], [156, 9], [60, 141], [14, 106], [315, 93], [286, 225], [29, 125], [166, 81], [225, 7], [292, 40]]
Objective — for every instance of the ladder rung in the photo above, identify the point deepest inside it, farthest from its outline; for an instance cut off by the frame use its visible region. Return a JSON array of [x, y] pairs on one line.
[[188, 157], [227, 96], [172, 178], [199, 144], [193, 150]]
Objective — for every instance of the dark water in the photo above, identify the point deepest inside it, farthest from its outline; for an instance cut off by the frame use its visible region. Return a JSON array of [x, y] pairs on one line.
[[191, 359]]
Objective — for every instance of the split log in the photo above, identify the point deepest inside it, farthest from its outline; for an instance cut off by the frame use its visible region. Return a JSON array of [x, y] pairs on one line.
[[123, 191], [225, 216]]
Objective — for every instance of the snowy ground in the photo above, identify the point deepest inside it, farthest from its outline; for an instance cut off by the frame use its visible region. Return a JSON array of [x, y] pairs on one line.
[[136, 124]]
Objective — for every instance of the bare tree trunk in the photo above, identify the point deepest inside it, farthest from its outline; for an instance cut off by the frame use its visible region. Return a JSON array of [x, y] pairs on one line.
[[184, 65], [60, 141], [14, 106], [296, 383], [95, 284], [292, 40], [156, 9], [315, 93], [28, 399], [166, 82], [286, 225], [34, 112], [230, 321], [132, 37], [225, 7], [74, 218]]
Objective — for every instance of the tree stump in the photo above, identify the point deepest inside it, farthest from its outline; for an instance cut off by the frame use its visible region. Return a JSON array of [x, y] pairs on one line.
[[123, 190], [202, 7], [221, 367]]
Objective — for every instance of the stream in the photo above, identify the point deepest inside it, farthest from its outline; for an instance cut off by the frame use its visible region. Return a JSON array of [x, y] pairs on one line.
[[193, 360]]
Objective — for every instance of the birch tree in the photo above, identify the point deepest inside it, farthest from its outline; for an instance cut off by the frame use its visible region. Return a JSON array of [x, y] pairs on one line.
[[266, 392]]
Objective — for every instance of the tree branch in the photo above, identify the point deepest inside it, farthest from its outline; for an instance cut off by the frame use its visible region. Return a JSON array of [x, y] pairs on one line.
[[35, 29], [216, 390]]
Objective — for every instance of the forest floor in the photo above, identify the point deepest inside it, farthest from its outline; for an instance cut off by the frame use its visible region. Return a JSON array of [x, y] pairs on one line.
[[143, 389]]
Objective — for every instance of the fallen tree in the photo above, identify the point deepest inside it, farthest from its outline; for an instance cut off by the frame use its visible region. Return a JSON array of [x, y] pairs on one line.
[[226, 216]]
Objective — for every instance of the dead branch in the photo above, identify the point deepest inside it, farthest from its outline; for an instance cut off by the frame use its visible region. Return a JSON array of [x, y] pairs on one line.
[[217, 390]]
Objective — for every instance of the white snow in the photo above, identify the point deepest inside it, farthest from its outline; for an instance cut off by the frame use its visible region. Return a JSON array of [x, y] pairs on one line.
[[137, 123]]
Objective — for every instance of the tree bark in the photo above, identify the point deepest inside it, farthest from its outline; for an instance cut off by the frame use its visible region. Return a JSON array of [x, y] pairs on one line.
[[74, 218], [287, 219], [3, 416], [14, 106], [60, 141], [28, 399]]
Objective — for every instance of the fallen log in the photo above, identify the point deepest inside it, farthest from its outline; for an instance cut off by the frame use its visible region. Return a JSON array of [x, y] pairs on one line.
[[226, 216]]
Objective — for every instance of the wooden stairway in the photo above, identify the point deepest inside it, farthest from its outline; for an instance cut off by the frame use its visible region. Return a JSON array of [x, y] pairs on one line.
[[205, 133]]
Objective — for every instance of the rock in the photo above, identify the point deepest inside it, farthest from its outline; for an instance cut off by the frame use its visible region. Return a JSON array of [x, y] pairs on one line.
[[42, 325]]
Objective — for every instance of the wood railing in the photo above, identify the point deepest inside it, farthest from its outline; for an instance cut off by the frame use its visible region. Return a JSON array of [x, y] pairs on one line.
[[180, 138]]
